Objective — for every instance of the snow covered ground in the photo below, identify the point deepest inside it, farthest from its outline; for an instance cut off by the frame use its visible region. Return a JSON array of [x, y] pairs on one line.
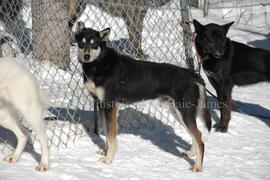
[[155, 152]]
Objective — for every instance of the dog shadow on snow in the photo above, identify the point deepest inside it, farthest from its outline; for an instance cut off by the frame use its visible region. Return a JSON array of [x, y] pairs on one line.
[[133, 122], [250, 109], [7, 138], [264, 43], [137, 123]]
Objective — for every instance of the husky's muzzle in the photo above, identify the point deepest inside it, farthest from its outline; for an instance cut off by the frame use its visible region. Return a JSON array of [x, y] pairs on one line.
[[86, 57]]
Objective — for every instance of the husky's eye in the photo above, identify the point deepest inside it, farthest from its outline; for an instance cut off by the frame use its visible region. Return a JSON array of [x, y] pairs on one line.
[[81, 45], [94, 46]]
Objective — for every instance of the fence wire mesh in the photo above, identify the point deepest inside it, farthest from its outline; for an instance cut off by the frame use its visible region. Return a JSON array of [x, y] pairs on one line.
[[39, 34], [241, 11]]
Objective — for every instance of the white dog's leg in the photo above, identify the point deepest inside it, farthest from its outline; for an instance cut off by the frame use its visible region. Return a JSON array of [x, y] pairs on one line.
[[34, 120], [19, 89], [20, 132]]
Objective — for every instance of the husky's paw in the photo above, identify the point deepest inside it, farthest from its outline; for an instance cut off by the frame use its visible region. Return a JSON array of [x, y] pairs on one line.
[[11, 159], [42, 167], [195, 169], [106, 160], [221, 127], [189, 154], [101, 152]]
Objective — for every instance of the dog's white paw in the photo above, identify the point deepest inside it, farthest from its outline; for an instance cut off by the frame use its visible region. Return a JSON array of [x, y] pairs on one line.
[[11, 159], [101, 152], [42, 167], [189, 154], [196, 169], [106, 160]]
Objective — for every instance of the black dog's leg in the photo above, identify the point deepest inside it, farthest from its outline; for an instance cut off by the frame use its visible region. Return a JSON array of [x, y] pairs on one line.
[[96, 103], [224, 92]]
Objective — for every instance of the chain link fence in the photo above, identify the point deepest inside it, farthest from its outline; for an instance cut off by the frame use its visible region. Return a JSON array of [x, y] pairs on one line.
[[39, 33], [241, 11]]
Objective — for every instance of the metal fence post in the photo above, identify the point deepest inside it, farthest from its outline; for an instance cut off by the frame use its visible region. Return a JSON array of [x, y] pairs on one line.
[[187, 41]]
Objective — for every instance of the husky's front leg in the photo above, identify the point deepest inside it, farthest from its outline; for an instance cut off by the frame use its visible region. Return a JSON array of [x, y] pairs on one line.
[[111, 130]]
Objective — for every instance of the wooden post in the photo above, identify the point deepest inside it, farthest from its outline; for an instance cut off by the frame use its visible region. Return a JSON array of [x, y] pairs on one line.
[[51, 35], [194, 3], [186, 38]]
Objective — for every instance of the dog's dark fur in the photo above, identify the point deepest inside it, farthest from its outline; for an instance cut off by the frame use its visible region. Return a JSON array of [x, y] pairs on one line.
[[117, 79], [228, 63], [132, 12]]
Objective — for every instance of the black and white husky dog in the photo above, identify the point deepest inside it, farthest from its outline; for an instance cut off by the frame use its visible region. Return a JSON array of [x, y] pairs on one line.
[[116, 79]]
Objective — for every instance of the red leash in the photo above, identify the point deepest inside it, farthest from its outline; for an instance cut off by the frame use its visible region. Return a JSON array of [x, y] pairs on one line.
[[185, 26]]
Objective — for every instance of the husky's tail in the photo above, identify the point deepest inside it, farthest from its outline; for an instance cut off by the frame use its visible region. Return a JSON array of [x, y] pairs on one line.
[[203, 111], [207, 118]]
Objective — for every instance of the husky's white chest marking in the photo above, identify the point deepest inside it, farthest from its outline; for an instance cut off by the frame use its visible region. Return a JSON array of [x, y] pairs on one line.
[[99, 91]]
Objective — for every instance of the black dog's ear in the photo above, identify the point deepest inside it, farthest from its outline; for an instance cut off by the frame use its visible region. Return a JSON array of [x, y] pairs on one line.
[[75, 38], [104, 34], [198, 26], [80, 26], [226, 27]]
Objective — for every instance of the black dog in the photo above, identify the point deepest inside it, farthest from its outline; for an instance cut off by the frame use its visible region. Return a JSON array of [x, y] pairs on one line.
[[228, 63], [117, 79]]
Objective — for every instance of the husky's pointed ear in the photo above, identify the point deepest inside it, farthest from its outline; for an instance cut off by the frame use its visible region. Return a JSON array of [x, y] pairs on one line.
[[80, 26], [198, 26], [226, 27], [104, 34]]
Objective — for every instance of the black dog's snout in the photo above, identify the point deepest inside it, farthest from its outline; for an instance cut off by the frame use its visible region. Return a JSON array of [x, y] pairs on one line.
[[221, 52], [86, 57]]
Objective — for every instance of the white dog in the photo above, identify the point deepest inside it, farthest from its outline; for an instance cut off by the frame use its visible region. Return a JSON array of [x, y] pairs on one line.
[[19, 92]]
